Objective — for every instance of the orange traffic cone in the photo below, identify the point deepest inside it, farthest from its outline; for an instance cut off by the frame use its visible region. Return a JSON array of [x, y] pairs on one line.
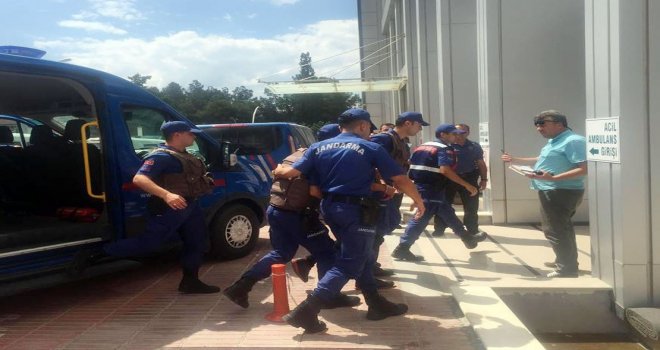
[[280, 295]]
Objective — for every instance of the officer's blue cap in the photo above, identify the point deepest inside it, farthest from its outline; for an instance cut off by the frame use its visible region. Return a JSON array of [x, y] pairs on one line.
[[169, 128], [328, 131], [352, 114], [448, 129], [413, 117]]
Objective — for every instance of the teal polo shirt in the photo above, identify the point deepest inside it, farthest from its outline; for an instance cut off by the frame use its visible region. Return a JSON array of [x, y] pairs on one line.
[[559, 155]]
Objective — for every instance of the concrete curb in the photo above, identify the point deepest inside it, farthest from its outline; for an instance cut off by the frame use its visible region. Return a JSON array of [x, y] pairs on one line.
[[495, 324]]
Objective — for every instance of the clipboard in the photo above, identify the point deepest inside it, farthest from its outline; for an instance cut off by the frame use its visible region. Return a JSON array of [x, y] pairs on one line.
[[523, 170]]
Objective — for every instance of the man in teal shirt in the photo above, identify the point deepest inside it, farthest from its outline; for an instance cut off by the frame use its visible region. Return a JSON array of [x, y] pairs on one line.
[[559, 178]]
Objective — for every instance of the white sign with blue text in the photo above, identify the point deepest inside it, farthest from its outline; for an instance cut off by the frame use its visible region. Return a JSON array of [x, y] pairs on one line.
[[603, 141]]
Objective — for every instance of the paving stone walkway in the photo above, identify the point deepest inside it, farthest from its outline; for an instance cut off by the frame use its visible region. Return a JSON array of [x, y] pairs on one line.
[[139, 308]]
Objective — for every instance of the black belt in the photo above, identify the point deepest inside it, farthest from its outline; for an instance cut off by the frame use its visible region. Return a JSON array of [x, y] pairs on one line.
[[342, 198]]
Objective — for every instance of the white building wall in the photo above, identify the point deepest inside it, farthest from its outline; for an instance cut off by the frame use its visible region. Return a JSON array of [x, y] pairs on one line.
[[623, 80], [496, 62], [531, 55], [460, 35], [430, 89], [654, 143], [590, 58], [369, 12]]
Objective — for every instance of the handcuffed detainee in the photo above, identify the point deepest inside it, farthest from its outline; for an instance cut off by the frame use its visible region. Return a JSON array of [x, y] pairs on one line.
[[293, 216], [345, 168], [408, 124]]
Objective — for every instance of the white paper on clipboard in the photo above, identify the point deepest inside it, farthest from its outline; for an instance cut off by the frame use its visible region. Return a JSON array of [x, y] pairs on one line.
[[523, 170]]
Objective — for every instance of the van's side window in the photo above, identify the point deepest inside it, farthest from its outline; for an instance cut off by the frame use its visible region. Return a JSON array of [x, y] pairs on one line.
[[12, 133], [144, 127], [255, 140]]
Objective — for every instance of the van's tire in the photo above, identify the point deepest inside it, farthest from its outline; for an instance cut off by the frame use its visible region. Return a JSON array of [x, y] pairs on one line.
[[234, 232]]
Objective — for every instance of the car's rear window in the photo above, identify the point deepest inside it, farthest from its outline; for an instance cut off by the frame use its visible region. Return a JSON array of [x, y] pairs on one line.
[[246, 140]]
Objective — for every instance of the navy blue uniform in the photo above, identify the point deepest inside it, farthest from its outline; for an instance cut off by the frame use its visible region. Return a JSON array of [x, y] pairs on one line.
[[425, 172], [385, 140], [292, 228], [169, 224], [288, 230], [467, 157], [344, 168]]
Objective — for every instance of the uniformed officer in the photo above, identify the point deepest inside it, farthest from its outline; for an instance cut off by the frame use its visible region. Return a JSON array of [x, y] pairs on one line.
[[294, 221], [430, 168], [393, 140], [175, 179], [470, 166], [344, 166], [407, 124], [302, 266], [328, 131]]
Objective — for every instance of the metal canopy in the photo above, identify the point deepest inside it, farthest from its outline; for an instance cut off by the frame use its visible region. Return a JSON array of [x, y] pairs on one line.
[[336, 85]]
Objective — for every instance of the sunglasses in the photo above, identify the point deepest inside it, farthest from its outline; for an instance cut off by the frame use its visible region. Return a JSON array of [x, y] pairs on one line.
[[542, 122]]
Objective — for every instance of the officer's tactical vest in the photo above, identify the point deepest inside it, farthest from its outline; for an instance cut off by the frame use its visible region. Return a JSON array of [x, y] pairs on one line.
[[192, 182], [400, 151], [290, 194], [424, 165]]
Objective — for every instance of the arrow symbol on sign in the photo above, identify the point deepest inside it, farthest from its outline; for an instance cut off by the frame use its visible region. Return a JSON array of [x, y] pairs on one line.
[[593, 151]]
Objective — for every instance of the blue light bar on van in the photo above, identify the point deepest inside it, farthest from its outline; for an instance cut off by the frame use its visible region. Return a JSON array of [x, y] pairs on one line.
[[22, 51]]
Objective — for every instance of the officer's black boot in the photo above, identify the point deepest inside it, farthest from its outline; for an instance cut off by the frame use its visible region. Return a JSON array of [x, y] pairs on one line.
[[381, 272], [479, 236], [341, 300], [438, 232], [380, 284], [471, 240], [402, 252], [190, 284], [238, 292], [438, 227], [381, 308], [305, 316]]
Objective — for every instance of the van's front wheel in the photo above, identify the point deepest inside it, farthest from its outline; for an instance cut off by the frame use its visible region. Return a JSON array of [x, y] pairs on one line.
[[234, 232]]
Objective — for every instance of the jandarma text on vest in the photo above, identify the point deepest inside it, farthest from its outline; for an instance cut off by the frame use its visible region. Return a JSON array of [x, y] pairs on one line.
[[349, 145]]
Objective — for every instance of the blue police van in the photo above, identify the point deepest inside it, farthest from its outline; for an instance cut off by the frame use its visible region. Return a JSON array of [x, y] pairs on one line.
[[267, 144], [71, 140]]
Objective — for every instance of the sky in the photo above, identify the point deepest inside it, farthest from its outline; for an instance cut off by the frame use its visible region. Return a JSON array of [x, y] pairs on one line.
[[221, 43]]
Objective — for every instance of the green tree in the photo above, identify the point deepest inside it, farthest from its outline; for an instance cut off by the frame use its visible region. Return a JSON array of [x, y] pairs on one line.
[[173, 94], [242, 93], [313, 109], [139, 80], [209, 105], [306, 70]]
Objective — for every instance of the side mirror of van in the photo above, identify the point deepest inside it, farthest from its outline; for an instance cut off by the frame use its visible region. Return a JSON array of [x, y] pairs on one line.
[[229, 159]]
